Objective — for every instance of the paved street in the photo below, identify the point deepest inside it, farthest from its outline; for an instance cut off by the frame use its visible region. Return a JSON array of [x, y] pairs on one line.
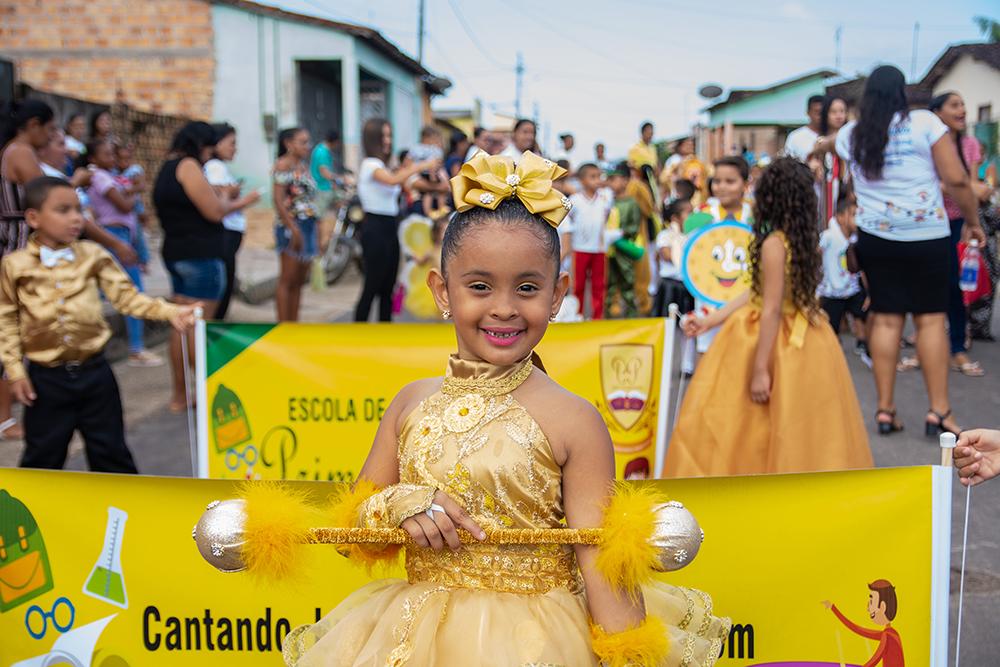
[[160, 441]]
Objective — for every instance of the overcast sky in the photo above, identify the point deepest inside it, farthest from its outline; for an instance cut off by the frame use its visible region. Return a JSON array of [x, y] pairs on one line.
[[599, 68]]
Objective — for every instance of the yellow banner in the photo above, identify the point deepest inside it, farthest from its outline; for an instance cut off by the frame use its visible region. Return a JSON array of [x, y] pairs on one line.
[[303, 401], [101, 570]]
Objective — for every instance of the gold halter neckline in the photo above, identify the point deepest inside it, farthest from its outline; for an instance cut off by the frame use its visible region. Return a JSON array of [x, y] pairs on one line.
[[483, 378]]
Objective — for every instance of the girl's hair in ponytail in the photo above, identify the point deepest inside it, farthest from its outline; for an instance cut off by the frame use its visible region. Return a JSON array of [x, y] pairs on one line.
[[17, 115], [284, 136], [785, 201]]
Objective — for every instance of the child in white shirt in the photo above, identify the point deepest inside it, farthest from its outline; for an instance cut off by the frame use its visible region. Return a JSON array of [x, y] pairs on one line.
[[840, 291], [588, 218]]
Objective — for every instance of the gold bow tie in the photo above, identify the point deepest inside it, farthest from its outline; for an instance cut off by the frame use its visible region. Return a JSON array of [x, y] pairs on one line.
[[486, 180]]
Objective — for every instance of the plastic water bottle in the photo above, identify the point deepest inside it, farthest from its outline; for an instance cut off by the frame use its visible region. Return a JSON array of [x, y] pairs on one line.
[[968, 277]]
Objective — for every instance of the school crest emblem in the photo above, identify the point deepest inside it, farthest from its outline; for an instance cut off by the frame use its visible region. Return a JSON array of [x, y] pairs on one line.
[[627, 380]]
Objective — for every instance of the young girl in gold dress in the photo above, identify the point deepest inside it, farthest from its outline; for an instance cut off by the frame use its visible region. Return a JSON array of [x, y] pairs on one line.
[[773, 394], [496, 443]]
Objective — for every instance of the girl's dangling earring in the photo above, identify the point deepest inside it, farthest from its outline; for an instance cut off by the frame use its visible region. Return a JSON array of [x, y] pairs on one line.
[[446, 314], [552, 318]]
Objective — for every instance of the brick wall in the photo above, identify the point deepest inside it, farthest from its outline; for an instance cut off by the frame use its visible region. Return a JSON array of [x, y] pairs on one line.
[[154, 55]]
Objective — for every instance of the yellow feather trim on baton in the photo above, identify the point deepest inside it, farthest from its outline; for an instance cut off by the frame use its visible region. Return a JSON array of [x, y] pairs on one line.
[[645, 645], [345, 512], [626, 558], [278, 520]]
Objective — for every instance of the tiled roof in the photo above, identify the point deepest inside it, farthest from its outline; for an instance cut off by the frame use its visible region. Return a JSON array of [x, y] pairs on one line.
[[983, 52]]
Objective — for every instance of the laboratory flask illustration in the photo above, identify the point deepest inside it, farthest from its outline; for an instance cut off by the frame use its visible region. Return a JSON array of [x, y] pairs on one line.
[[106, 581]]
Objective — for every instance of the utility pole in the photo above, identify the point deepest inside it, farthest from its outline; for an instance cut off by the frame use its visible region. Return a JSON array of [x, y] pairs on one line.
[[837, 38], [519, 72], [420, 32], [913, 58]]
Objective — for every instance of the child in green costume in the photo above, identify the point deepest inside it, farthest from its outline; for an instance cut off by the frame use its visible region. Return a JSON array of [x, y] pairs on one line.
[[624, 227]]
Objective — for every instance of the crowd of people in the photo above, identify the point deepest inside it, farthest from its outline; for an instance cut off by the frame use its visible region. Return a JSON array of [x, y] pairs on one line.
[[50, 284], [897, 197], [863, 217]]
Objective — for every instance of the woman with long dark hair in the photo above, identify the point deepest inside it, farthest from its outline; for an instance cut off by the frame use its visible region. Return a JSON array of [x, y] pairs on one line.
[[296, 232], [950, 108], [833, 116], [899, 159], [191, 214], [101, 127], [378, 190]]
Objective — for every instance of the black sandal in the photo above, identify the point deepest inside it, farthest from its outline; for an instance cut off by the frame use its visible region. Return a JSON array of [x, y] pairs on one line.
[[931, 429], [891, 426]]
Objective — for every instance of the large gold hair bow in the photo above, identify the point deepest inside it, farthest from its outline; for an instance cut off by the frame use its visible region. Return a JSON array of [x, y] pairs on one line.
[[486, 180]]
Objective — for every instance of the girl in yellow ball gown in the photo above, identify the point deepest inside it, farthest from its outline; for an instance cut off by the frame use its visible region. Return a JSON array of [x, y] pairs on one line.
[[496, 443], [773, 394]]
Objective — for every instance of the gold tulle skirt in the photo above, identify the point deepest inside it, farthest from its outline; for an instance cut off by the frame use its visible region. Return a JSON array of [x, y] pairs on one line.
[[395, 623], [812, 422]]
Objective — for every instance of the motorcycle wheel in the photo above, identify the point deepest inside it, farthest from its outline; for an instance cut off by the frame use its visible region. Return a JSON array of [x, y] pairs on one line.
[[336, 259]]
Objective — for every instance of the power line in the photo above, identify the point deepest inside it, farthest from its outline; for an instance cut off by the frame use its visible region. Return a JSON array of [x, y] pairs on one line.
[[768, 18], [562, 34], [321, 8], [472, 37], [461, 77]]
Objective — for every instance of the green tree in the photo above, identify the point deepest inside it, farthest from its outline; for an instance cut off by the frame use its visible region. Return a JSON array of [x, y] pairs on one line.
[[989, 28]]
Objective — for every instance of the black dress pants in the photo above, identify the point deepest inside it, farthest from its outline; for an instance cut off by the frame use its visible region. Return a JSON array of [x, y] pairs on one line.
[[231, 242], [380, 254], [74, 397]]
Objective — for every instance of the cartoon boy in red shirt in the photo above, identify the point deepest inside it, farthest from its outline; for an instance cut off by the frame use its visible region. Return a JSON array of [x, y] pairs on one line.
[[882, 610]]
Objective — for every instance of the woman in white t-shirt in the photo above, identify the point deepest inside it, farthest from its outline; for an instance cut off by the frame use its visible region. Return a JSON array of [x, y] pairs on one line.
[[378, 190], [235, 223], [899, 160], [522, 138]]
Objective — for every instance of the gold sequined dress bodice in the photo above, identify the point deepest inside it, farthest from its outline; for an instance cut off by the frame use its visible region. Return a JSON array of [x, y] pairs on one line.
[[475, 442], [488, 605]]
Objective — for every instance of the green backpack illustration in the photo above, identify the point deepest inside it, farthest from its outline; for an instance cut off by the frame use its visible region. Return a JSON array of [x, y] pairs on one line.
[[24, 563], [230, 425]]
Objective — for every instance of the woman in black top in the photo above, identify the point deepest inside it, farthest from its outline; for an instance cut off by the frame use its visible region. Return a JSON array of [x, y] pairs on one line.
[[190, 214]]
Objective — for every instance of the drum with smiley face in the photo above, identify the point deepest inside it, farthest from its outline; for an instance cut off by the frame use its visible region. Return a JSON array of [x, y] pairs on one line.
[[715, 265]]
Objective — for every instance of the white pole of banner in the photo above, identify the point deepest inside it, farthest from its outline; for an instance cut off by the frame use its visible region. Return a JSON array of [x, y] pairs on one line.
[[941, 555], [961, 586], [201, 403], [948, 442], [189, 393], [666, 377]]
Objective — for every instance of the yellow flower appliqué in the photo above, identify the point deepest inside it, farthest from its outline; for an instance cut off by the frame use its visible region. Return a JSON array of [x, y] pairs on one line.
[[428, 430], [464, 413]]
